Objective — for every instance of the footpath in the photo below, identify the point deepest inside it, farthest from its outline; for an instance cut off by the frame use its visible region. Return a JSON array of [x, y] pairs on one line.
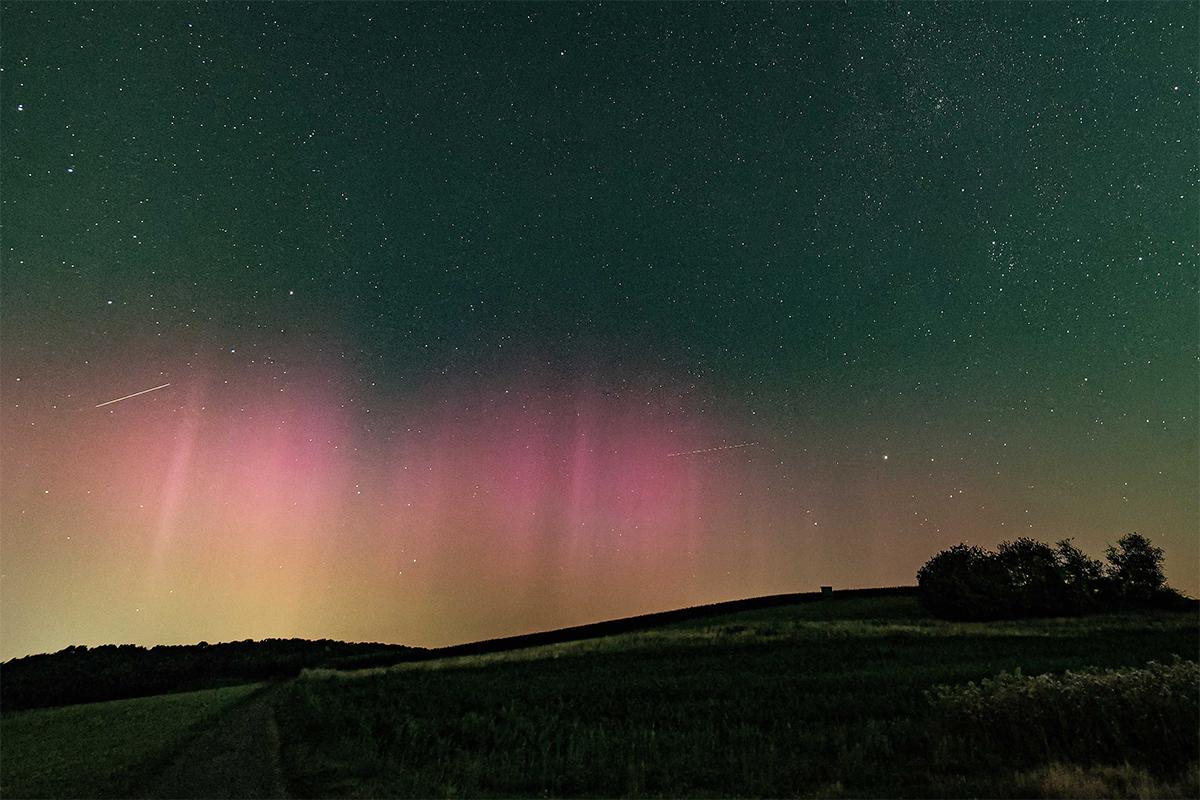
[[237, 758]]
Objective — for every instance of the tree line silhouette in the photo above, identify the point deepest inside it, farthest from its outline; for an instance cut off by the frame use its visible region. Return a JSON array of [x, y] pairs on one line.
[[79, 674], [1028, 578]]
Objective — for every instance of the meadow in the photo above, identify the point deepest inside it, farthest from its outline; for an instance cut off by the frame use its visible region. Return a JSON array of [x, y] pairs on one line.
[[844, 698], [105, 749], [848, 697]]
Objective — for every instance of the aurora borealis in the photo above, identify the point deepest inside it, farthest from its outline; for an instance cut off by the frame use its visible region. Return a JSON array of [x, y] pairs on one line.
[[447, 296]]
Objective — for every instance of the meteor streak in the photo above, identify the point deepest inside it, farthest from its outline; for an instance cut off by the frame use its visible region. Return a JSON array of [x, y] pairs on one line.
[[135, 394], [711, 449]]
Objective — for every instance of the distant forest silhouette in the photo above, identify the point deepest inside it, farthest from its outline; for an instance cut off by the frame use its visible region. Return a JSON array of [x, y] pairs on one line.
[[1028, 578], [113, 672]]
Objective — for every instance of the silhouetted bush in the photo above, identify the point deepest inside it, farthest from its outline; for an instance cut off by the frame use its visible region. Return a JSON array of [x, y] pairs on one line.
[[1135, 568], [1028, 578], [1033, 581], [1083, 578], [961, 583]]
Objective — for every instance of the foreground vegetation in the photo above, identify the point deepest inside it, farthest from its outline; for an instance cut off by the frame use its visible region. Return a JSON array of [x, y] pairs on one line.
[[854, 696], [1149, 715], [838, 698], [103, 749]]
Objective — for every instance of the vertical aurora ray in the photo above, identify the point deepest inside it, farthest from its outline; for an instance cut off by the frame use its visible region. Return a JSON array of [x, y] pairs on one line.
[[176, 480]]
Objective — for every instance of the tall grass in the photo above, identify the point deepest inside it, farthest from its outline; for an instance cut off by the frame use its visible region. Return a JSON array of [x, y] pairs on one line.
[[827, 699]]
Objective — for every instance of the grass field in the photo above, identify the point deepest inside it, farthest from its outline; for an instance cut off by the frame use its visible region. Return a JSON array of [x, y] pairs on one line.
[[850, 697], [822, 699], [102, 749]]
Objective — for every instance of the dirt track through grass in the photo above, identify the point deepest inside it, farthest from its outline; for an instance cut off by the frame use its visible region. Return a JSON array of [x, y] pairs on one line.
[[237, 758], [106, 749]]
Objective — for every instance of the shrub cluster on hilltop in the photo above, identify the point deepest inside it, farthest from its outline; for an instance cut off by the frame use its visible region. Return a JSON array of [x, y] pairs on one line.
[[1028, 578]]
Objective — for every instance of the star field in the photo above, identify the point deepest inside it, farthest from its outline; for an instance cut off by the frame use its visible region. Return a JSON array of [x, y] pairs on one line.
[[481, 319]]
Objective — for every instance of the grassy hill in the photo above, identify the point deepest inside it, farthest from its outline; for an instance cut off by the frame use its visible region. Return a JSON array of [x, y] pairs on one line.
[[812, 699], [855, 696]]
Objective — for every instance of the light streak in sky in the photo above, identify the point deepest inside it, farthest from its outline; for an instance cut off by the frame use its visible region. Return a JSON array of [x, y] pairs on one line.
[[135, 394], [712, 449]]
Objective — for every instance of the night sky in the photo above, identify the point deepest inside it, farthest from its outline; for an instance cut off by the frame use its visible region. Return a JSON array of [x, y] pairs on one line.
[[486, 319]]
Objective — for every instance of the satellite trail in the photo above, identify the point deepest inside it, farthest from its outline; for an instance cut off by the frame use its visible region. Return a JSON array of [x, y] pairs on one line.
[[712, 449], [135, 394]]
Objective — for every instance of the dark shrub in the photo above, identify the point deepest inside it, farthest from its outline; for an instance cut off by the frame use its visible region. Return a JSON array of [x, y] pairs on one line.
[[1135, 569], [1027, 578], [1033, 583], [965, 582], [1084, 578]]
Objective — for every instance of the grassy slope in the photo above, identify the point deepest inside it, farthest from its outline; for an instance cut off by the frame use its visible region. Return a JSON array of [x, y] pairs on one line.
[[102, 749], [824, 698]]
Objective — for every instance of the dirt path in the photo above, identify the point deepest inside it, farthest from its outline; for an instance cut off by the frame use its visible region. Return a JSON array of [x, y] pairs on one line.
[[237, 758]]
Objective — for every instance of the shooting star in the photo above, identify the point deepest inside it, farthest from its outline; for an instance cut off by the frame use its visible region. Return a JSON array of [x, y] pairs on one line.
[[135, 394], [712, 449]]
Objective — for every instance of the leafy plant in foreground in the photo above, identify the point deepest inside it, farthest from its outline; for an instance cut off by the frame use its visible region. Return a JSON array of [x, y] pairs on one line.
[[1148, 716]]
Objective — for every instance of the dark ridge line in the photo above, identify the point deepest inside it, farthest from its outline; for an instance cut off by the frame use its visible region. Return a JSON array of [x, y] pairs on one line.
[[595, 630]]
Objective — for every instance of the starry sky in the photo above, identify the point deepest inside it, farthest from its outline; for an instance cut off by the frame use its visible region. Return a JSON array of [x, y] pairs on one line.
[[484, 319]]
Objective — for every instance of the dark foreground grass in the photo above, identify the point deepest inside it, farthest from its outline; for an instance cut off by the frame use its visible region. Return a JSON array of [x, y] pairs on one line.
[[826, 699], [102, 749]]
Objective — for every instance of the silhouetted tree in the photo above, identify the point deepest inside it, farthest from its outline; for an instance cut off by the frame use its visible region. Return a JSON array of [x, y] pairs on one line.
[[1033, 583], [1084, 577], [1028, 578], [1135, 568], [965, 582]]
